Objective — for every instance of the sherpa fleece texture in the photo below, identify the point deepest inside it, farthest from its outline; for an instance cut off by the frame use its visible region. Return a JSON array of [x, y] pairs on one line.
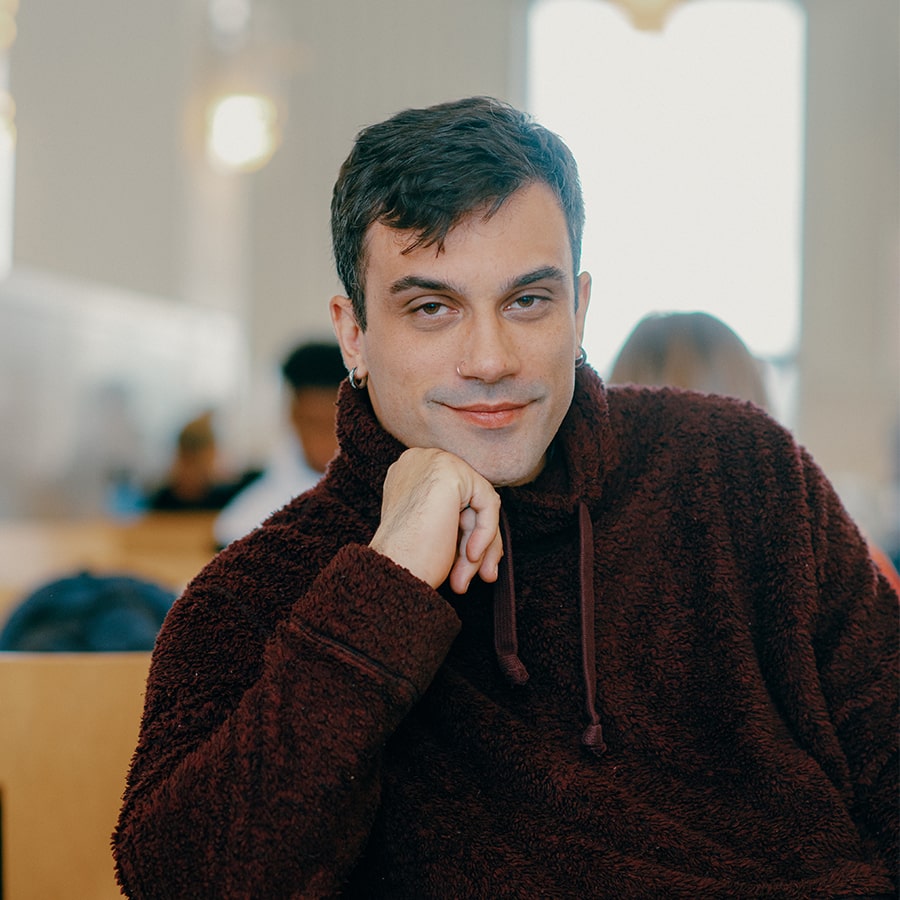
[[319, 722]]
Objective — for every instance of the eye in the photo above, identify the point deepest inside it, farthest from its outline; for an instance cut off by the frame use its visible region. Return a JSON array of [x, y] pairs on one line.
[[429, 309], [527, 303]]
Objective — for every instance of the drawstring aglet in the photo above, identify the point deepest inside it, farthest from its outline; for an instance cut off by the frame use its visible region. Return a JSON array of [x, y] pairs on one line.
[[592, 738], [512, 668]]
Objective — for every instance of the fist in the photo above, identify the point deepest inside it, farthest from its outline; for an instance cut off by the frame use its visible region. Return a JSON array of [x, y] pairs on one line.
[[439, 519]]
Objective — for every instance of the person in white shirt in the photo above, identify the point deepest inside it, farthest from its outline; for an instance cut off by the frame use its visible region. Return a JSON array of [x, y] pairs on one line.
[[312, 373]]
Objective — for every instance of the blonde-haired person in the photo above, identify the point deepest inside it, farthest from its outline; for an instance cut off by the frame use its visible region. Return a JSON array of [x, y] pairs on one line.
[[697, 351], [691, 350]]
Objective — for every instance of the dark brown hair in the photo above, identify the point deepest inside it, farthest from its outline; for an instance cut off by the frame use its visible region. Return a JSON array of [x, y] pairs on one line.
[[424, 170]]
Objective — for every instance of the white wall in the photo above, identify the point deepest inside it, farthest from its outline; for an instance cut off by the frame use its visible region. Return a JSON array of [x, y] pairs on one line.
[[849, 400], [99, 89], [112, 188]]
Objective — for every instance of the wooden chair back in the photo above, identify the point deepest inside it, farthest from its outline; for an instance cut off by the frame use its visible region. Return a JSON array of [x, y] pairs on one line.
[[68, 727]]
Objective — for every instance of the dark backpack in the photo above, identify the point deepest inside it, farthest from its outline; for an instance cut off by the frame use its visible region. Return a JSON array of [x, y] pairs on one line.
[[86, 612]]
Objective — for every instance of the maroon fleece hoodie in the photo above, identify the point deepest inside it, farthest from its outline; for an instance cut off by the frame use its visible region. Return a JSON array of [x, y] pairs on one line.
[[684, 685]]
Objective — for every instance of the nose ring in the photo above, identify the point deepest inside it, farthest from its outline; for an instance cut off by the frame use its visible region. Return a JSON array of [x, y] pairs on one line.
[[458, 372]]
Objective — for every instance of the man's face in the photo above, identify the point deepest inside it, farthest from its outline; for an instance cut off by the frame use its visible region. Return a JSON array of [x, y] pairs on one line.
[[472, 349]]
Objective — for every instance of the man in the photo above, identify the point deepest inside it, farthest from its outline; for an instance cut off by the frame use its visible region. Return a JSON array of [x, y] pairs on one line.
[[312, 373], [526, 638]]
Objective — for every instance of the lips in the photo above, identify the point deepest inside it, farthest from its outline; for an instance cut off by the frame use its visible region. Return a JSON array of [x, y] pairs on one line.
[[500, 415]]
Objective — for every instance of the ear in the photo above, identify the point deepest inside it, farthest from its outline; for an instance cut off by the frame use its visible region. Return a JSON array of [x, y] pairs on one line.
[[347, 332], [583, 297]]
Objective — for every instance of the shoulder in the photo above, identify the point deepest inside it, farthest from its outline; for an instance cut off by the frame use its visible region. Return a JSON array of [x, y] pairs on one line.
[[688, 419], [691, 445]]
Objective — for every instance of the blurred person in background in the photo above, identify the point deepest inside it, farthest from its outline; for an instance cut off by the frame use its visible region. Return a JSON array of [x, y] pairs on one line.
[[195, 481], [312, 373], [691, 350]]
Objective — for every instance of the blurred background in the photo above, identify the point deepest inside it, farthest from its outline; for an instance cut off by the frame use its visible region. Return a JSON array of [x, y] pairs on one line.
[[166, 170]]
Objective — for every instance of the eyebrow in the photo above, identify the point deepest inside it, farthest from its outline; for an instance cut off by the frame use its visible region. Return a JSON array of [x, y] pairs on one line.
[[544, 273]]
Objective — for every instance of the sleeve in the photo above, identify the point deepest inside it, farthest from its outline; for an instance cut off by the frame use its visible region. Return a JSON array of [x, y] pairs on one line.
[[855, 637], [257, 769], [829, 641]]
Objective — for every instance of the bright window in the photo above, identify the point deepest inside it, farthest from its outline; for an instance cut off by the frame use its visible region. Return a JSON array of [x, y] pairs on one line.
[[689, 143]]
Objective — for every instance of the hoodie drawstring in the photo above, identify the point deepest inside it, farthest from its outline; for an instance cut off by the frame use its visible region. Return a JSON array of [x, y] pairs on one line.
[[506, 643], [592, 737]]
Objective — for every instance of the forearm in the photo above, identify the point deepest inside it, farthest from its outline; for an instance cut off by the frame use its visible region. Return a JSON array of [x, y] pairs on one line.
[[288, 775]]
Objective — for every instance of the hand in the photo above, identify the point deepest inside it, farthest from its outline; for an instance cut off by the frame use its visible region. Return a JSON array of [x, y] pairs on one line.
[[439, 518]]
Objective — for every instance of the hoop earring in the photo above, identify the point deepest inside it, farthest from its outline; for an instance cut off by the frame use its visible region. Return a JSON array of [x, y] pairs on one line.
[[356, 383], [581, 359]]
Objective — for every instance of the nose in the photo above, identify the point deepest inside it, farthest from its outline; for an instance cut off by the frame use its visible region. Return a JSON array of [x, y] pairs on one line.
[[488, 351]]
